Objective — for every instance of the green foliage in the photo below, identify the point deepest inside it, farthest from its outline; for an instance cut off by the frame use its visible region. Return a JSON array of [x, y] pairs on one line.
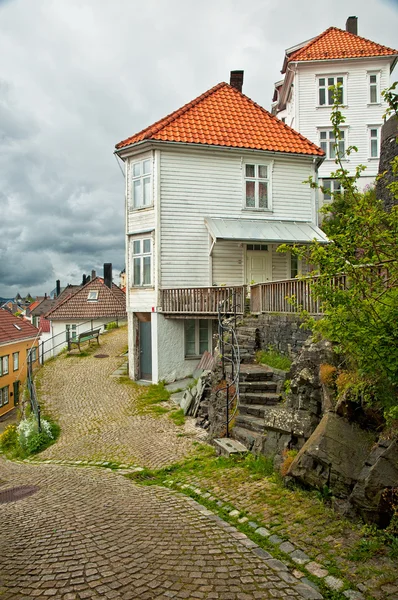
[[111, 325], [155, 393], [178, 417], [26, 439], [273, 358], [9, 438]]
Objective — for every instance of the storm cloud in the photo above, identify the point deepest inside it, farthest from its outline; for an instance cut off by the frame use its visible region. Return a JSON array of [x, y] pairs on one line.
[[77, 76]]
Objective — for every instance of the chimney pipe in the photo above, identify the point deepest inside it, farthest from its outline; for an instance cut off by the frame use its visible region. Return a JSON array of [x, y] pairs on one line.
[[352, 25], [93, 274], [58, 287], [108, 275], [84, 280], [236, 80]]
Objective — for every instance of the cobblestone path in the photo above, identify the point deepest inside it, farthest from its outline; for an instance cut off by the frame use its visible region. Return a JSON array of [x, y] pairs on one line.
[[90, 533], [97, 414]]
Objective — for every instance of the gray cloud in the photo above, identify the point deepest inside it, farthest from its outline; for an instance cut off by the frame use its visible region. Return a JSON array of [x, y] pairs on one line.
[[80, 75]]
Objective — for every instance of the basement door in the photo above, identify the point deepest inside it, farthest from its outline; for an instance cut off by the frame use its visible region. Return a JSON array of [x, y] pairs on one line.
[[258, 263], [145, 351]]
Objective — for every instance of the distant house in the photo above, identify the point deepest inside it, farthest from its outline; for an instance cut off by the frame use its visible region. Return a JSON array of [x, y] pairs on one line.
[[92, 306], [212, 190], [361, 68], [17, 337]]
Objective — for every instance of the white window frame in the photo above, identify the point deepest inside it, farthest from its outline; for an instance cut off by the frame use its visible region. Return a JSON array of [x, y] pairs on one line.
[[257, 180], [326, 143], [71, 331], [140, 257], [143, 175], [198, 354], [4, 395], [326, 86], [4, 365], [15, 361], [92, 296], [372, 128], [375, 84], [335, 186]]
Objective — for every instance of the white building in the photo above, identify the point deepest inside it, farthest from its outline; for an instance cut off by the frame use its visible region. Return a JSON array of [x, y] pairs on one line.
[[303, 99], [211, 191]]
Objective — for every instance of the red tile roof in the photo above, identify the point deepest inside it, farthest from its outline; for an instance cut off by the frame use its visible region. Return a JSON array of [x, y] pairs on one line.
[[14, 328], [223, 116], [111, 303], [44, 325], [336, 43]]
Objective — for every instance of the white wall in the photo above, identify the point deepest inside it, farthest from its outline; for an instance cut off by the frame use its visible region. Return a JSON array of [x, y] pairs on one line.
[[57, 341]]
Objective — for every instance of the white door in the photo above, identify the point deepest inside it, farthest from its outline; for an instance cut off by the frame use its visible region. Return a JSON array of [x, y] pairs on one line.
[[258, 266]]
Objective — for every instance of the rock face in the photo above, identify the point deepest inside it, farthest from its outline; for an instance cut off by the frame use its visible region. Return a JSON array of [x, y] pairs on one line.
[[376, 482], [388, 150], [333, 456]]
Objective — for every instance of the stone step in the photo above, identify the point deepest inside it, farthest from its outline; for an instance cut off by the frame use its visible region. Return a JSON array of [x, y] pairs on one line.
[[250, 422], [257, 386], [256, 410], [269, 399], [257, 374], [246, 437]]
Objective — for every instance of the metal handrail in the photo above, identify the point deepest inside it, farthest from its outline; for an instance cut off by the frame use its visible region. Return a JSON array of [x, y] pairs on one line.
[[34, 404]]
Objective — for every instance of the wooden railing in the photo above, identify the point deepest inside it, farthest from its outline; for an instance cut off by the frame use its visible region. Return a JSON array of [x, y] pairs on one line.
[[288, 296], [202, 300]]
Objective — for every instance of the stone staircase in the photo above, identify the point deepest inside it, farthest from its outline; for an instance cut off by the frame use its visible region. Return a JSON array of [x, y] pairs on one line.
[[248, 340], [258, 391]]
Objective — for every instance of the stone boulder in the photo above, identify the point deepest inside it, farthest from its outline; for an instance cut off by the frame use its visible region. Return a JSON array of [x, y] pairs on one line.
[[333, 456], [377, 481]]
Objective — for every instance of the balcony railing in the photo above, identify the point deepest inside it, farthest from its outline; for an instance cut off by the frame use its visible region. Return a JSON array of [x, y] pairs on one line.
[[203, 300], [288, 296]]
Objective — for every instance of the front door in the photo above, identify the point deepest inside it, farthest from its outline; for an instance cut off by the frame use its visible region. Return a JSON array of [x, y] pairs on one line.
[[145, 351], [16, 393], [258, 265]]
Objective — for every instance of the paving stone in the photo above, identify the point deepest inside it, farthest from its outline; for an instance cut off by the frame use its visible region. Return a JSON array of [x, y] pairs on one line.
[[263, 532], [300, 557], [234, 513], [307, 592], [287, 547], [253, 524], [316, 569], [334, 583], [275, 539], [353, 595]]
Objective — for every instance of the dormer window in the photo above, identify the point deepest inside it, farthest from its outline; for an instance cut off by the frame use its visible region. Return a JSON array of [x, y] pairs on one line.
[[17, 327], [92, 296]]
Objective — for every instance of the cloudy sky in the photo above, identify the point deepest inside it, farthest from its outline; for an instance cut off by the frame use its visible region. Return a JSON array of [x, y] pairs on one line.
[[77, 76]]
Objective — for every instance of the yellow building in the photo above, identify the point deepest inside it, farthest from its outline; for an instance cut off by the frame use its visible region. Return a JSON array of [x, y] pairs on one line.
[[17, 338]]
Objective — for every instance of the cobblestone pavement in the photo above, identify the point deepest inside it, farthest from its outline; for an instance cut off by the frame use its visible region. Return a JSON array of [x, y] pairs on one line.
[[97, 414], [90, 533]]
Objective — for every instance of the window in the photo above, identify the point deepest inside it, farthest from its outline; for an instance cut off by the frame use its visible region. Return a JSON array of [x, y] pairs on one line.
[[374, 88], [262, 247], [4, 397], [256, 186], [32, 354], [293, 266], [196, 337], [92, 295], [3, 365], [325, 94], [15, 361], [142, 260], [71, 333], [328, 143], [374, 142], [330, 187], [141, 184]]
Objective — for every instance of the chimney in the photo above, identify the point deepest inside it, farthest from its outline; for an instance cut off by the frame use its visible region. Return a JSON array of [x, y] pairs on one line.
[[108, 275], [352, 25], [58, 287], [236, 80], [93, 274], [84, 279]]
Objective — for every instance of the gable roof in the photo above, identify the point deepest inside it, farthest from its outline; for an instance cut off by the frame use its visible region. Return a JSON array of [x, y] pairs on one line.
[[336, 43], [10, 333], [223, 116], [110, 303]]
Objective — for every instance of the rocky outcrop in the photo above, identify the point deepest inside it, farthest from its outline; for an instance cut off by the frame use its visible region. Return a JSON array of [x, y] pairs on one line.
[[388, 150]]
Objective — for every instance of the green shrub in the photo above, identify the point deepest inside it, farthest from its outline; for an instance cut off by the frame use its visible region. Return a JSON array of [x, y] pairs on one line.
[[111, 325], [273, 358], [9, 438]]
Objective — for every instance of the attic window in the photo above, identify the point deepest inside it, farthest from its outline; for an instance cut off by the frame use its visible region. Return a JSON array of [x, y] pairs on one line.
[[17, 327], [92, 296]]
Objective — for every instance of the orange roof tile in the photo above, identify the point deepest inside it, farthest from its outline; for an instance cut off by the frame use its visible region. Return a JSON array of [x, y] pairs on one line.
[[336, 43], [223, 116], [14, 328]]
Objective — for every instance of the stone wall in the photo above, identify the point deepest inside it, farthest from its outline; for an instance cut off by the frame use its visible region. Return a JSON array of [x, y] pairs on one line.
[[388, 150], [280, 331]]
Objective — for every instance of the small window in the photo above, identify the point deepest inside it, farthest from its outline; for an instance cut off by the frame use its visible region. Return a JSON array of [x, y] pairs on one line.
[[141, 184], [15, 361], [293, 266], [92, 295], [71, 333], [374, 88], [329, 144], [142, 262], [374, 142], [261, 247], [330, 187], [32, 354], [256, 186], [196, 337], [17, 327], [4, 396], [3, 365]]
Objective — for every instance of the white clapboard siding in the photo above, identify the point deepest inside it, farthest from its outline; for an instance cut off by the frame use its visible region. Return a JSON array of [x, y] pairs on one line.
[[227, 263], [280, 264], [209, 183], [358, 112], [141, 299]]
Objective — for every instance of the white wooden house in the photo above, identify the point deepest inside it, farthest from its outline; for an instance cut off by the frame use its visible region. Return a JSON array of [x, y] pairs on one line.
[[303, 99], [211, 191]]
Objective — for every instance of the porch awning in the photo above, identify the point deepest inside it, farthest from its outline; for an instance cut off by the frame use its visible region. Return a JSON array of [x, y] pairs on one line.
[[264, 230]]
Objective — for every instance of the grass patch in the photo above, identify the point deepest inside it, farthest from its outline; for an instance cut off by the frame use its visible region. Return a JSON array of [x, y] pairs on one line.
[[155, 393], [158, 410], [178, 417], [273, 358]]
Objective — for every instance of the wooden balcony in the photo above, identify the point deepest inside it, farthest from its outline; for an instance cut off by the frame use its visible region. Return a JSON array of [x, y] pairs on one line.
[[288, 296], [202, 301]]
